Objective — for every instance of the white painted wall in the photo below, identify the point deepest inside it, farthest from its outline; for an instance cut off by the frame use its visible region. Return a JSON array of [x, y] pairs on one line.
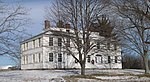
[[67, 60]]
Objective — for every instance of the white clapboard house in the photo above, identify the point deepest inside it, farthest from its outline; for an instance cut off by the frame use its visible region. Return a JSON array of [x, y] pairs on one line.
[[46, 51]]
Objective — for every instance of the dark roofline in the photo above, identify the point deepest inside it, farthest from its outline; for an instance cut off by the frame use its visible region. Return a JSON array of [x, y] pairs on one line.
[[33, 37]]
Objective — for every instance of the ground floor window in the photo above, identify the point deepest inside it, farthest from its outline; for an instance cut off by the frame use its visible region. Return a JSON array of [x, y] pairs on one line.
[[88, 58], [99, 59], [33, 58], [116, 59], [39, 57], [59, 57], [109, 59], [50, 57]]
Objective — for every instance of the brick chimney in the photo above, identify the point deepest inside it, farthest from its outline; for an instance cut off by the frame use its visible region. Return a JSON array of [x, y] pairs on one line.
[[67, 26], [47, 24]]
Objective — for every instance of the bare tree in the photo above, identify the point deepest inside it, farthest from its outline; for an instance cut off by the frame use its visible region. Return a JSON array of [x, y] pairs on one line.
[[80, 14], [12, 19], [135, 33]]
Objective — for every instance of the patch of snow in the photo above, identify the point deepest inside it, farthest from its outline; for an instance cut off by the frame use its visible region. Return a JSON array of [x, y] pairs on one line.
[[5, 67], [115, 77]]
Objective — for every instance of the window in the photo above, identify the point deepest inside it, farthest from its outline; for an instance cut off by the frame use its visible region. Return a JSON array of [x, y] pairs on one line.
[[108, 46], [33, 58], [68, 42], [88, 58], [26, 59], [50, 57], [59, 42], [50, 41], [115, 46], [24, 46], [116, 58], [39, 57], [98, 45], [99, 59], [39, 42], [27, 46], [59, 57], [109, 59], [33, 43], [80, 43]]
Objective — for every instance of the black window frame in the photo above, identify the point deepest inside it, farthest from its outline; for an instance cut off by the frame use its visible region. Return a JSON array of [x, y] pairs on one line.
[[98, 45], [51, 58], [109, 59], [50, 41], [116, 59], [59, 42], [88, 58], [59, 57]]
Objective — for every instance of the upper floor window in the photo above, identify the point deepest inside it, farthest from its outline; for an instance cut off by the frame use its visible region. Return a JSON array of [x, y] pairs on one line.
[[33, 43], [98, 45], [108, 46], [68, 42], [59, 42], [39, 42], [115, 46], [50, 57], [24, 47], [27, 47], [50, 41]]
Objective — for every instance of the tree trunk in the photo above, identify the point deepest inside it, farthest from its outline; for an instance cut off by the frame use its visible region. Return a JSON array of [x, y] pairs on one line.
[[145, 58], [82, 69]]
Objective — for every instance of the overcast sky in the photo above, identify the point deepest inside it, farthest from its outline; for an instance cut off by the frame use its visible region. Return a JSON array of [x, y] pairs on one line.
[[36, 14]]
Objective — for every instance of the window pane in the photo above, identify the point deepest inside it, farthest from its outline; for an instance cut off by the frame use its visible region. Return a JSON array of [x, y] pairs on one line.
[[115, 47], [50, 41], [99, 59], [98, 45], [59, 42], [50, 57], [68, 42], [39, 57], [33, 43], [108, 46], [116, 58], [89, 58], [39, 42], [109, 59], [59, 57], [33, 58]]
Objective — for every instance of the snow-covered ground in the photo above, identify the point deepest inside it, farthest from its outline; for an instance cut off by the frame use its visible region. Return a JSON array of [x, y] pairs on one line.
[[51, 75]]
